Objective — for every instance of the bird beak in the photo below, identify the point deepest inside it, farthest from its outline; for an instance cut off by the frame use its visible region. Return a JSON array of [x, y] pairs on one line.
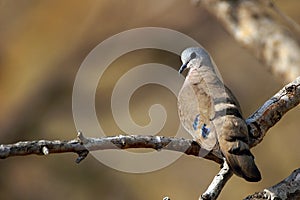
[[182, 68]]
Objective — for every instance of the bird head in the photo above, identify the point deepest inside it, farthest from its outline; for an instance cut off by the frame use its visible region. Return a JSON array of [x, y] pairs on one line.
[[192, 53]]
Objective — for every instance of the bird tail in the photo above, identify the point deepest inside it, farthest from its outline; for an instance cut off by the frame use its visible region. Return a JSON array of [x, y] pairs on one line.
[[234, 146], [243, 165]]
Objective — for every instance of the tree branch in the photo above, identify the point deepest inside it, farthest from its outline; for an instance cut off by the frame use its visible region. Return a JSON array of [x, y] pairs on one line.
[[272, 111], [253, 27], [288, 188], [81, 145], [218, 183]]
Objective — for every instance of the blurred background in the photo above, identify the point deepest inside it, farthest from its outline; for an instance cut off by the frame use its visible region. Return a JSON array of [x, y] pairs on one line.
[[42, 45]]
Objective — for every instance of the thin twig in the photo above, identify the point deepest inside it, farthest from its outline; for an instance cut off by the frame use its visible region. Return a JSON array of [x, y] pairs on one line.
[[289, 21], [217, 184]]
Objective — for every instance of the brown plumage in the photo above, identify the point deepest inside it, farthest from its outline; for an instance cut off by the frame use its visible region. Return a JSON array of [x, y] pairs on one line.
[[211, 114]]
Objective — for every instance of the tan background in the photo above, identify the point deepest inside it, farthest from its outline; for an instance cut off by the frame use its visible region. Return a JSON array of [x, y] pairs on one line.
[[43, 43]]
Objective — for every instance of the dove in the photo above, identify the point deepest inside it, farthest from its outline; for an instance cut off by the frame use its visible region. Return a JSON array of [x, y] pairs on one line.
[[209, 111]]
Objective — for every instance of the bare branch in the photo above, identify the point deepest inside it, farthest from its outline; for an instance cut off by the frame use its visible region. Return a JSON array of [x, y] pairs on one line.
[[217, 184], [82, 145], [289, 21], [288, 188], [252, 26], [272, 111]]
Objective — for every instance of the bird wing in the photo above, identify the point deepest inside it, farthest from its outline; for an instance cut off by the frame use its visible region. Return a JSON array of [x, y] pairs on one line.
[[196, 110]]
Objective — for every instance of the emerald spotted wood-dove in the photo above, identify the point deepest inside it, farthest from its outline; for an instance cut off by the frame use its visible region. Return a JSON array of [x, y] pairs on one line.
[[211, 114]]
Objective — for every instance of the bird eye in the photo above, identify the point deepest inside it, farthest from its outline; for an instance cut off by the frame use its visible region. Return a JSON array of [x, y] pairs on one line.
[[193, 55]]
